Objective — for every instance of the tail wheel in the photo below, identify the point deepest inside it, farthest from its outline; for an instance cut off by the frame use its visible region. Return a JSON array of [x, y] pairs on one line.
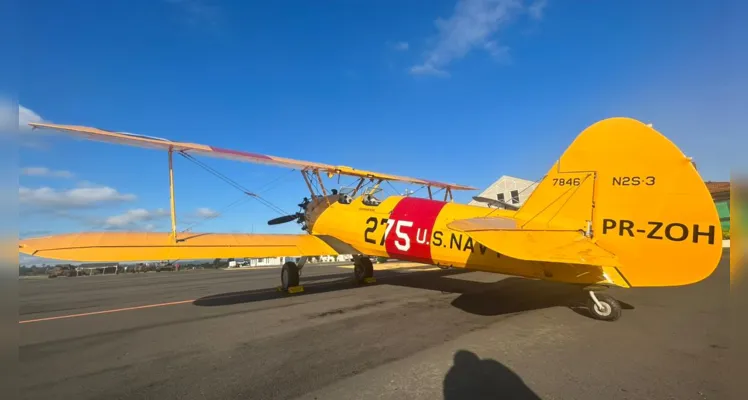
[[363, 269], [289, 275], [606, 308]]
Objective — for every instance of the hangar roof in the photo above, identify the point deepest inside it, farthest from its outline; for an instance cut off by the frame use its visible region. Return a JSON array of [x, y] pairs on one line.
[[717, 187]]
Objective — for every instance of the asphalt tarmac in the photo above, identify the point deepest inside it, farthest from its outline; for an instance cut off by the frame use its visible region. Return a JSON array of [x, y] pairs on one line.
[[218, 334]]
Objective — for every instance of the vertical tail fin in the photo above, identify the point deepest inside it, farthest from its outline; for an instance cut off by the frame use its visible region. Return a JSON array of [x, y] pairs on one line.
[[640, 198]]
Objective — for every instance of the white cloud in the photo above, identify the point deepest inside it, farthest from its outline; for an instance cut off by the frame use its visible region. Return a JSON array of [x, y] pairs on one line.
[[46, 172], [86, 184], [133, 217], [33, 233], [136, 218], [26, 116], [401, 46], [48, 198], [198, 12], [205, 212], [499, 53], [473, 25], [536, 9], [16, 118], [427, 69], [8, 115], [27, 260]]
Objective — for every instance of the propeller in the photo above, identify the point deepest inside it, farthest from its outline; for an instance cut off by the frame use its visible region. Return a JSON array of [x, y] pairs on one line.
[[298, 217]]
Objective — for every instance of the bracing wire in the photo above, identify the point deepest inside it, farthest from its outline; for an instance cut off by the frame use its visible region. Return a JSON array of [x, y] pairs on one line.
[[315, 187], [217, 174], [235, 184], [266, 187], [417, 190], [394, 190]]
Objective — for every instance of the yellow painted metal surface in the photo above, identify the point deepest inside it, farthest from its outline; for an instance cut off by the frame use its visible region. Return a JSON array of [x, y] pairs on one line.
[[651, 207], [622, 206], [446, 246], [552, 246], [134, 246], [129, 139]]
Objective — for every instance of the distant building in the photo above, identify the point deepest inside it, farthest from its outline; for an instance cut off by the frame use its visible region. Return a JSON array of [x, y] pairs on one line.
[[720, 192], [98, 268], [266, 261], [278, 261], [507, 189]]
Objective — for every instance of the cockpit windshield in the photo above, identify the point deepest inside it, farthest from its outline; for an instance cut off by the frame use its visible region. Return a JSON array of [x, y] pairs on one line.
[[348, 193]]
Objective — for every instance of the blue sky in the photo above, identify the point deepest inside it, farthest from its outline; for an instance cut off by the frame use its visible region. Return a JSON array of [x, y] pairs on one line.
[[457, 90]]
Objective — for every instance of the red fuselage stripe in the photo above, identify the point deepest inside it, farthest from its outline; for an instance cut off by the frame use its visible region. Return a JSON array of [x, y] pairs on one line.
[[411, 226]]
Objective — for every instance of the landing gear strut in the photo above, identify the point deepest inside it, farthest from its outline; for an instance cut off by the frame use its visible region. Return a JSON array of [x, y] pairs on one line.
[[603, 306], [363, 269]]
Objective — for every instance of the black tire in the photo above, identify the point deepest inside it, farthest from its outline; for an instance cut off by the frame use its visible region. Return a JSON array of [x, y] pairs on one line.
[[289, 275], [611, 310], [363, 269]]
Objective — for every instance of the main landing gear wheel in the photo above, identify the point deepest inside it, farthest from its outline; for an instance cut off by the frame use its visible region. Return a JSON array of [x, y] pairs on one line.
[[363, 269], [603, 307], [289, 275]]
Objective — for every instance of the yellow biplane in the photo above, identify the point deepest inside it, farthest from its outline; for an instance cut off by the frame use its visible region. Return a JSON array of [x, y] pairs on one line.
[[623, 206]]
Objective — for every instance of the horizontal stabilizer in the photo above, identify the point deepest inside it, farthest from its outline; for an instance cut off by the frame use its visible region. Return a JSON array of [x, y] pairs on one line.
[[154, 246], [501, 236]]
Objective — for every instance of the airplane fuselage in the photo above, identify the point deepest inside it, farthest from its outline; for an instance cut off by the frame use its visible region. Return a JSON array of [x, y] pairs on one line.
[[415, 229]]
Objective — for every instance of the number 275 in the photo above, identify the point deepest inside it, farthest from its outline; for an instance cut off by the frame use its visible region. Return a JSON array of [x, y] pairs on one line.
[[403, 242]]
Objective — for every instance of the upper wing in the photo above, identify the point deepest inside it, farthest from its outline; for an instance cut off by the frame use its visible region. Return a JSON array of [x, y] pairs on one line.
[[500, 235], [147, 246], [212, 151]]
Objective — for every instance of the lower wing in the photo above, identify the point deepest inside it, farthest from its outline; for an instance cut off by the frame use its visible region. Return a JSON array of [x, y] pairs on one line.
[[147, 246], [535, 245]]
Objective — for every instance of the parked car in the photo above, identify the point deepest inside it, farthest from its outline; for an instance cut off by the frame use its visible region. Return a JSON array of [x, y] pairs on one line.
[[62, 270], [167, 267]]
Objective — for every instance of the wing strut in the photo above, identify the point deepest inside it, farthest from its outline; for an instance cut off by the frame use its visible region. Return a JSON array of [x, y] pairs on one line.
[[308, 183], [171, 196], [448, 194]]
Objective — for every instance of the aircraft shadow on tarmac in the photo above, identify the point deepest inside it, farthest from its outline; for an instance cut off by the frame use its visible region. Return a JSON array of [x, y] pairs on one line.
[[473, 378], [507, 296]]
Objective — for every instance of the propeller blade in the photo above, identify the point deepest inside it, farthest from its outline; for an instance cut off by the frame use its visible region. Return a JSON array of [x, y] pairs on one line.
[[283, 219]]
